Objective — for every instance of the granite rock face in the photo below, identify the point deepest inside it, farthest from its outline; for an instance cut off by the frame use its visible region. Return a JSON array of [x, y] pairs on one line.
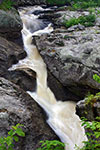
[[16, 106], [88, 111], [11, 53], [10, 24], [72, 55]]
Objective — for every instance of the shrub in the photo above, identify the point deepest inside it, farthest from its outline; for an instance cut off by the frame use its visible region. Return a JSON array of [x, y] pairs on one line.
[[84, 4], [87, 21], [96, 78], [91, 99], [52, 145], [76, 4], [6, 4], [58, 2], [6, 143], [93, 134]]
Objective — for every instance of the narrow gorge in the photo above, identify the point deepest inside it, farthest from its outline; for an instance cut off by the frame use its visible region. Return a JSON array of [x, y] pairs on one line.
[[50, 74], [61, 115]]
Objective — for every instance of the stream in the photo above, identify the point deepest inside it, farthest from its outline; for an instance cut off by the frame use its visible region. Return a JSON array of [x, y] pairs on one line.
[[61, 115]]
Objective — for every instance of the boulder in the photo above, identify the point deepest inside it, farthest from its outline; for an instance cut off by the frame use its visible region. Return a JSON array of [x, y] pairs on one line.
[[11, 53], [10, 24], [87, 110], [16, 106], [61, 93]]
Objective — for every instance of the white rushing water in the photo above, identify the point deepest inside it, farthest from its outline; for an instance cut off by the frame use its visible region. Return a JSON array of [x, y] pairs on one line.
[[61, 115]]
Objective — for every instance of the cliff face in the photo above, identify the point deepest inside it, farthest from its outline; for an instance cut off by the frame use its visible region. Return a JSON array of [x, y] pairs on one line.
[[16, 106], [10, 24], [13, 84], [72, 54], [30, 2]]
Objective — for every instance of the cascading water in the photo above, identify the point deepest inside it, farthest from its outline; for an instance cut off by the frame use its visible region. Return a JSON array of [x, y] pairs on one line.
[[61, 115]]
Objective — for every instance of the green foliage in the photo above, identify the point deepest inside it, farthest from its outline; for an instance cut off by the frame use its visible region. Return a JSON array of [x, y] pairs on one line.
[[98, 12], [6, 143], [6, 4], [93, 127], [57, 2], [91, 99], [84, 4], [76, 4], [87, 21], [52, 145], [96, 78], [92, 10]]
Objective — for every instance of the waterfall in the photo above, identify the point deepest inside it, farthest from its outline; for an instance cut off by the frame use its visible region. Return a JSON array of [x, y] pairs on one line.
[[61, 115]]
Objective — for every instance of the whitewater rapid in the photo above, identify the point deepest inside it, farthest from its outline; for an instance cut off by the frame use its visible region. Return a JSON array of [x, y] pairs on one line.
[[61, 115]]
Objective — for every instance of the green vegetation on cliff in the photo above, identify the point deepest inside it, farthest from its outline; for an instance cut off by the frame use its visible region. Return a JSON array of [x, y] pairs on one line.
[[6, 4], [7, 143], [93, 134], [84, 4], [51, 145], [76, 4], [87, 21], [57, 2], [92, 99]]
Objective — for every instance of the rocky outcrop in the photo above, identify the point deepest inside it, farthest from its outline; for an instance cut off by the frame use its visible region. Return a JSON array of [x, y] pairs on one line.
[[16, 106], [10, 24], [11, 53], [87, 110], [72, 55], [61, 93], [29, 2]]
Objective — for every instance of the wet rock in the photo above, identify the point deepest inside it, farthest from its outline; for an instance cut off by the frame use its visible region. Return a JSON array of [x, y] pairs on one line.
[[16, 106], [25, 78], [10, 24], [61, 93], [11, 53], [51, 16]]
